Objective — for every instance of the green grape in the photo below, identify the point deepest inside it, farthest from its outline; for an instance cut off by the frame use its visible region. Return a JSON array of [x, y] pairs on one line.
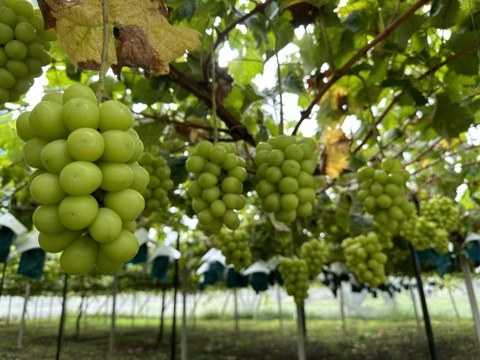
[[217, 188], [383, 192], [442, 210], [364, 257], [234, 246], [424, 234], [314, 253], [158, 184], [285, 166], [294, 273], [88, 180], [21, 44]]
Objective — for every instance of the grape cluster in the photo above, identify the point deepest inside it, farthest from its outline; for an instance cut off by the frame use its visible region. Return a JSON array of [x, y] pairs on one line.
[[294, 273], [234, 246], [217, 186], [24, 46], [364, 257], [314, 253], [442, 210], [156, 192], [424, 234], [87, 179], [285, 166], [383, 193]]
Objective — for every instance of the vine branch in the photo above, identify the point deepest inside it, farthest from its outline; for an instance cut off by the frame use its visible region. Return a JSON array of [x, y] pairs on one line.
[[305, 114], [237, 130]]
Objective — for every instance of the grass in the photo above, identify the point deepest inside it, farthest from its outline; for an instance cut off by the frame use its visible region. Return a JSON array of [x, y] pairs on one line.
[[210, 339]]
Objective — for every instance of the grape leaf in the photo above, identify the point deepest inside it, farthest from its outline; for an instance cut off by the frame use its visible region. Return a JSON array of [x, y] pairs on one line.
[[336, 152], [140, 34]]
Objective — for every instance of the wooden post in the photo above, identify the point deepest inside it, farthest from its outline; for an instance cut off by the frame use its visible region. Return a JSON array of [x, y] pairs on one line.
[[342, 308], [452, 300], [279, 302]]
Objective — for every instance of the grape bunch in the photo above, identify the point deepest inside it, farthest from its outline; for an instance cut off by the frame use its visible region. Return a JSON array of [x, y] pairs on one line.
[[285, 166], [442, 210], [234, 246], [314, 253], [424, 234], [217, 186], [364, 257], [87, 180], [156, 192], [383, 193], [294, 273], [24, 46]]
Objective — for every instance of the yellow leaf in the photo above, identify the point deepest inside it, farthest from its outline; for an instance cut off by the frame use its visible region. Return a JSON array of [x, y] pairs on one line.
[[140, 35], [336, 152]]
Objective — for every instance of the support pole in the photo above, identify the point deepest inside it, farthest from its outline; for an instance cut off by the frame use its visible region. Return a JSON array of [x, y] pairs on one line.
[[4, 269], [423, 301], [61, 329], [174, 320], [471, 293], [184, 342], [301, 338], [414, 303], [279, 303], [452, 300], [22, 321], [235, 309], [342, 308], [111, 339]]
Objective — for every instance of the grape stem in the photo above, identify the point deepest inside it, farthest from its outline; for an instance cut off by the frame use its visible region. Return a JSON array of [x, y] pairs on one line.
[[104, 61]]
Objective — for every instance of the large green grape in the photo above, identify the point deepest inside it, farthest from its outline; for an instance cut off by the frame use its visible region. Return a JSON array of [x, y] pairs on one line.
[[364, 257], [217, 186], [87, 179], [285, 166], [294, 273], [24, 45], [383, 192]]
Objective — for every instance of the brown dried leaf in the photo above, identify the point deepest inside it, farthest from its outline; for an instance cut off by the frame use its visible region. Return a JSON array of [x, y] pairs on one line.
[[143, 36], [336, 152]]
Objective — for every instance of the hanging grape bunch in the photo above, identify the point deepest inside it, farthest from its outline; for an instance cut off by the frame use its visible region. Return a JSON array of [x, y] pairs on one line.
[[217, 186], [442, 210], [294, 273], [156, 192], [314, 253], [285, 166], [364, 257], [24, 46], [87, 181], [383, 193], [424, 234], [234, 246]]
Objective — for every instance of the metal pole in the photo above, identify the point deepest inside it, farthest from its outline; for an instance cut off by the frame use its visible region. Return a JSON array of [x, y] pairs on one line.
[[471, 293], [111, 338], [3, 277], [62, 317], [423, 301], [174, 320]]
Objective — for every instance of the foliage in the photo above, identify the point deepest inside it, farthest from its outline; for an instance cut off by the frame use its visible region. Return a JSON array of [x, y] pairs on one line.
[[397, 79]]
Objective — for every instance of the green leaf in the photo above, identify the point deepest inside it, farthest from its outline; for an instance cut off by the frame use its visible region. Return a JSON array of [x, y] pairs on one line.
[[406, 85], [449, 118], [443, 13], [244, 70], [178, 172], [187, 9], [149, 133], [407, 29]]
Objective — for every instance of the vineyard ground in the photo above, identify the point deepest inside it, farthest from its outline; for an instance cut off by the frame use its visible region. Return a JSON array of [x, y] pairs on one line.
[[256, 339], [374, 327]]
